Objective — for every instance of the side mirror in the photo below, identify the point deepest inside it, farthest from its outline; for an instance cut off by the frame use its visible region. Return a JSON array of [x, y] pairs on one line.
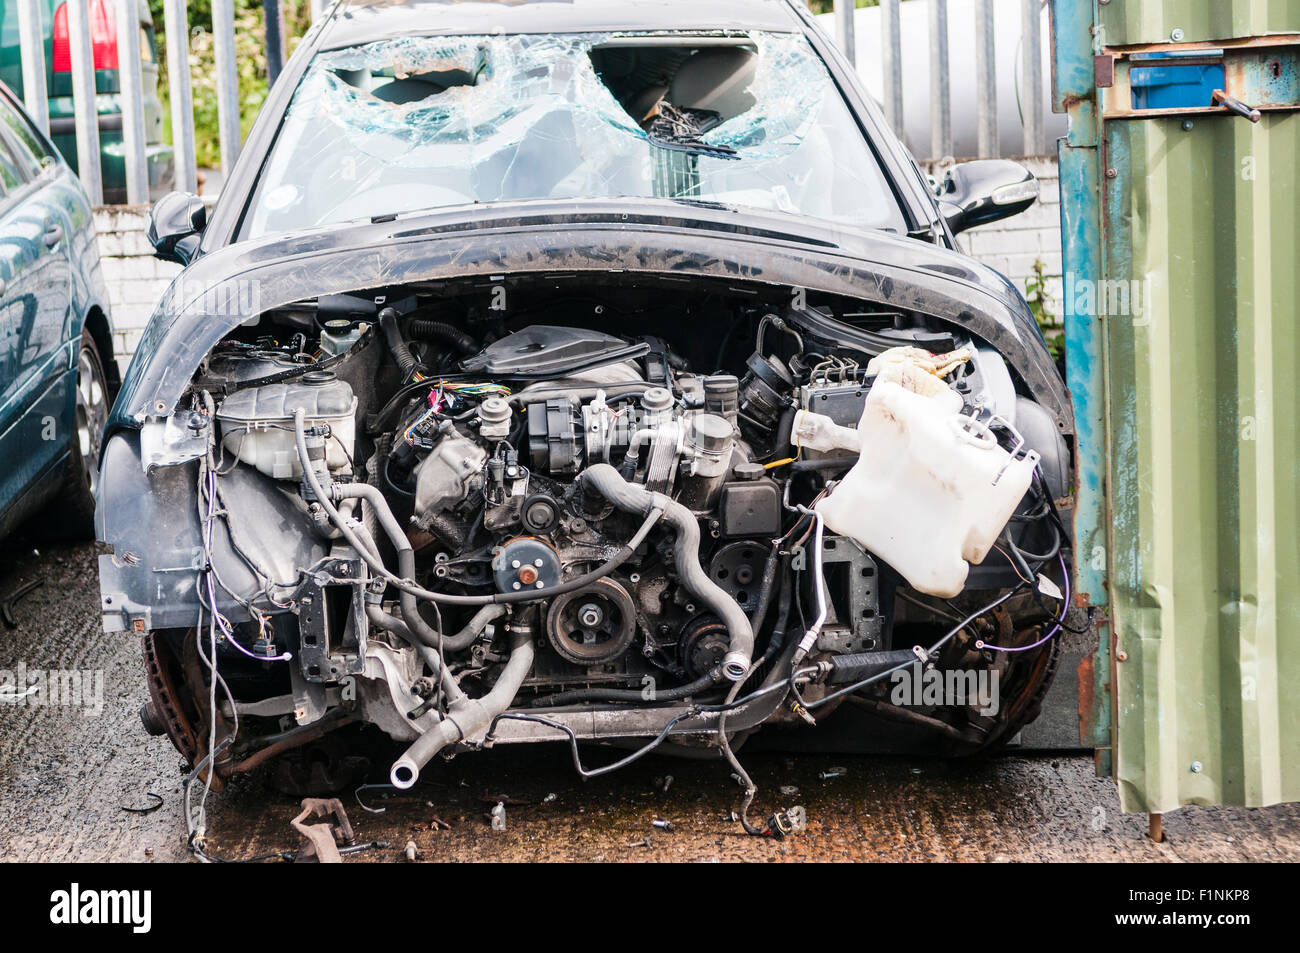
[[176, 224], [985, 190]]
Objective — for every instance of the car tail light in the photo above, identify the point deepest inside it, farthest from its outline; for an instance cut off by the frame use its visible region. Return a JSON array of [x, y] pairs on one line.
[[103, 37]]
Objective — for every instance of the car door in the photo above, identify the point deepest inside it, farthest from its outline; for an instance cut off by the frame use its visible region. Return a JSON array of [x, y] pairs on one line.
[[37, 345]]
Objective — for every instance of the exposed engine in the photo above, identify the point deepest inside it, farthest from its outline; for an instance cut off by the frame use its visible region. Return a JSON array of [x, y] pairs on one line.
[[510, 530]]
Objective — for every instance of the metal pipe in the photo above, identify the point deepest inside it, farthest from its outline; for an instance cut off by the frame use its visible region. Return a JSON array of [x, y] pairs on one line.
[[986, 88], [132, 100], [85, 104], [271, 16], [31, 41], [891, 50], [470, 717], [844, 28], [292, 739], [223, 37], [1031, 76], [177, 28], [819, 580], [940, 82]]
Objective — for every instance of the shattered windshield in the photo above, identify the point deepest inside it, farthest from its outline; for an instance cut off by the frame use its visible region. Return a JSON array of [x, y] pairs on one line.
[[418, 123]]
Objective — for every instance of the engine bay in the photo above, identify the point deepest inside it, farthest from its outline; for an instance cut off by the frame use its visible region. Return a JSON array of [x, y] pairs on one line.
[[475, 515]]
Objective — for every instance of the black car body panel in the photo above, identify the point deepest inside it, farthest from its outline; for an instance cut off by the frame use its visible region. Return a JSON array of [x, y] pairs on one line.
[[598, 236]]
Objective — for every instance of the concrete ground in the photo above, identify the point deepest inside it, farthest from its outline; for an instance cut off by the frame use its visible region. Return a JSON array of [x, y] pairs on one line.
[[68, 774]]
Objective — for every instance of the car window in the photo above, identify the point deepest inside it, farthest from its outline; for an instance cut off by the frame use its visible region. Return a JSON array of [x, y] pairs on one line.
[[11, 173], [147, 52], [28, 150], [424, 122]]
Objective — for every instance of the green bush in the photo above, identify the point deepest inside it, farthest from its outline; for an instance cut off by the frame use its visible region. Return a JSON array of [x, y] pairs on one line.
[[1039, 298], [826, 6], [250, 60]]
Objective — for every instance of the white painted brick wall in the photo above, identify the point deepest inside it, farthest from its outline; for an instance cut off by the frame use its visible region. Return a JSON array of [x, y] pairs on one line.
[[136, 280], [1013, 245]]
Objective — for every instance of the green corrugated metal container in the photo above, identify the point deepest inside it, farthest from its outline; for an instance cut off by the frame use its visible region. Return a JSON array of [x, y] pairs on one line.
[[1189, 393], [1129, 22]]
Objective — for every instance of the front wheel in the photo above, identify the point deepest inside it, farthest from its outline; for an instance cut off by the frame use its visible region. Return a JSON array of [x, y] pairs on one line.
[[74, 514]]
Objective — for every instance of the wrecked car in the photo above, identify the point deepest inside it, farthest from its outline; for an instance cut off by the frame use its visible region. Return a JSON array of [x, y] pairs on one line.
[[586, 373]]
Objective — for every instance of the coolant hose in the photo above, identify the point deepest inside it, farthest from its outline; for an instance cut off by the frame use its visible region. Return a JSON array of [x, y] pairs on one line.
[[469, 717], [632, 498], [405, 555], [473, 628]]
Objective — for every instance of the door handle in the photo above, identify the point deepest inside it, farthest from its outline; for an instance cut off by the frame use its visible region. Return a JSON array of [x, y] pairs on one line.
[[1236, 106], [53, 235]]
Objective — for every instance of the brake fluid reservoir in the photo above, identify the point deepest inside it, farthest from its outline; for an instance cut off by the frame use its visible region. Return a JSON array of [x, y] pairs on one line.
[[257, 422], [931, 491]]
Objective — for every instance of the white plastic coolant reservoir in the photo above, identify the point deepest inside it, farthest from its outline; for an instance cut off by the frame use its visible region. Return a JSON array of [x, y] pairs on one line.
[[931, 490], [257, 422]]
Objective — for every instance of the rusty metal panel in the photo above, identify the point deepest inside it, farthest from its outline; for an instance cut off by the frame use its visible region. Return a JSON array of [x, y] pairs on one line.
[[1181, 227]]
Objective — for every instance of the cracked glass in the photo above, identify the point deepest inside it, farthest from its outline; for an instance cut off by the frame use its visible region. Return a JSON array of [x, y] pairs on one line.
[[416, 123]]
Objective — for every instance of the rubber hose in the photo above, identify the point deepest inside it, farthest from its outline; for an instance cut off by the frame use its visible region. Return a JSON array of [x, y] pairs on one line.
[[576, 695], [469, 717], [382, 620], [396, 344], [443, 333], [405, 583], [632, 498]]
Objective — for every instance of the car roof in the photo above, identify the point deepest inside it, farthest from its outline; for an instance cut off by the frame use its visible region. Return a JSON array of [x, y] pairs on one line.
[[362, 21]]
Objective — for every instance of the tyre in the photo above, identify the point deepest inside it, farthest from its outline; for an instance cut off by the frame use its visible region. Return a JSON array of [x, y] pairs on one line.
[[73, 515]]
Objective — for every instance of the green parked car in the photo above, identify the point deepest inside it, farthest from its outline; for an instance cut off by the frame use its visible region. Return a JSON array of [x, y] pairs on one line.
[[58, 83]]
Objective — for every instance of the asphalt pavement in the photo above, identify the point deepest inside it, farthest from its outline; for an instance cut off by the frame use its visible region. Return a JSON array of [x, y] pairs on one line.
[[78, 779]]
